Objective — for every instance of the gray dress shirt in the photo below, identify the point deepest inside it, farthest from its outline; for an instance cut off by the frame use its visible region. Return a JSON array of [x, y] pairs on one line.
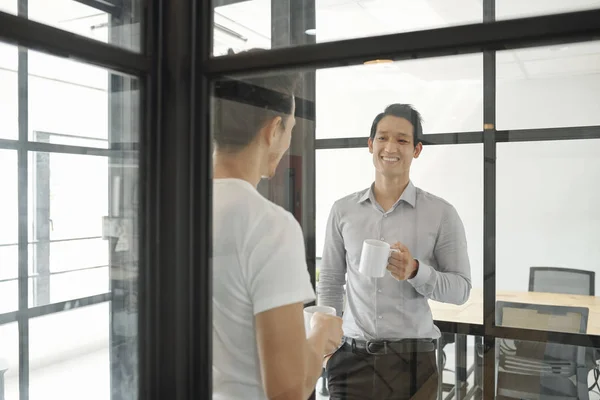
[[384, 308]]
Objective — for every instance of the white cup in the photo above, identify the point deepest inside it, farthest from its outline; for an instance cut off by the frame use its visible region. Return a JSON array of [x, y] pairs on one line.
[[310, 311], [374, 258]]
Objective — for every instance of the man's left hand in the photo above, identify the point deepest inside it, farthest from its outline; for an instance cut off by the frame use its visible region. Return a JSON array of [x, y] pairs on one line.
[[401, 264]]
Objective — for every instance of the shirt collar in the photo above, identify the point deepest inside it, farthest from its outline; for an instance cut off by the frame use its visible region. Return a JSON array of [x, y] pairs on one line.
[[409, 195]]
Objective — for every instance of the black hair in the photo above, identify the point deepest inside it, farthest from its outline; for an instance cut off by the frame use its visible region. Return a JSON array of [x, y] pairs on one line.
[[405, 111], [242, 106]]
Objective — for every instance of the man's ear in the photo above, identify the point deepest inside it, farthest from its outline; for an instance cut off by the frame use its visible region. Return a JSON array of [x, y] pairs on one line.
[[418, 149], [370, 143], [271, 129]]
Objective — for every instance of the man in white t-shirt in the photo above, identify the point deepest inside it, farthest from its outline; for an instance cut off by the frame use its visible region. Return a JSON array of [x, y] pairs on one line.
[[260, 278]]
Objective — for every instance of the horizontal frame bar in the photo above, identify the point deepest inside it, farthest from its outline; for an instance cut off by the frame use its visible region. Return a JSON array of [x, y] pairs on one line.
[[531, 335], [429, 139], [54, 308], [37, 36], [538, 135], [465, 39], [53, 241], [8, 144], [460, 328], [58, 273], [67, 305], [519, 135], [67, 149], [7, 318]]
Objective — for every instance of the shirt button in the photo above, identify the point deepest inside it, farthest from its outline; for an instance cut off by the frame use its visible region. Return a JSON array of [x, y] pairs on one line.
[[379, 290], [384, 215], [380, 317], [382, 239]]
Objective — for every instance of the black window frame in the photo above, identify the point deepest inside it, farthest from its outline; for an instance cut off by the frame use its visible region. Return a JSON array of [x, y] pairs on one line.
[[175, 70]]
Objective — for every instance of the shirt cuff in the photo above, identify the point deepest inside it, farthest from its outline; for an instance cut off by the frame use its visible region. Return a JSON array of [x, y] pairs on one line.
[[423, 275]]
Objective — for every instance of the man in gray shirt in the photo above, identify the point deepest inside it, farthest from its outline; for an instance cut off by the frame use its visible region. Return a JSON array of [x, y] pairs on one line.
[[389, 348]]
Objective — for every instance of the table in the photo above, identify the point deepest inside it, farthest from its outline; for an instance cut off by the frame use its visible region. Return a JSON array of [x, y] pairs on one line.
[[472, 311]]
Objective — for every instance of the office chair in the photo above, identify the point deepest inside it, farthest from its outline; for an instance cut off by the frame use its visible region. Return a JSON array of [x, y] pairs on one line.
[[528, 370], [562, 280]]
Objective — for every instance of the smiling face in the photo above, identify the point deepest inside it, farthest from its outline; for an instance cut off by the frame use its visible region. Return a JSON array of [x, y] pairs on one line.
[[393, 147]]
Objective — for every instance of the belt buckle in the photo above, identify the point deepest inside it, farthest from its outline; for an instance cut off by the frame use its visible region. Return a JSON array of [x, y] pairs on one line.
[[374, 353]]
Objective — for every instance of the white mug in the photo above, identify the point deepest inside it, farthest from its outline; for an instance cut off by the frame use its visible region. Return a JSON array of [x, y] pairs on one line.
[[310, 311], [374, 258]]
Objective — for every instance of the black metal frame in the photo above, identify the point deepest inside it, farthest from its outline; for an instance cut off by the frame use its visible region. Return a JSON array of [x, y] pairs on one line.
[[175, 72]]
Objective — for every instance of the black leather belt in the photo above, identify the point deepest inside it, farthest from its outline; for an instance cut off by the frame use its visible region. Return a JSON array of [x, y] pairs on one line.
[[378, 347]]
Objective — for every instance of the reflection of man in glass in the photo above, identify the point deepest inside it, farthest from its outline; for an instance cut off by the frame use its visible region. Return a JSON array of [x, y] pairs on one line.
[[260, 280], [389, 348]]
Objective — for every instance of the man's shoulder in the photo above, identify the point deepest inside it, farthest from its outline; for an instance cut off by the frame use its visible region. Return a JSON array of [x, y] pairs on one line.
[[350, 200], [429, 199], [432, 199], [240, 203]]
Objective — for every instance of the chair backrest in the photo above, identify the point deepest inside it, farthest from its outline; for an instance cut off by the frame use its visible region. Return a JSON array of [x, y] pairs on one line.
[[562, 280], [532, 358], [542, 317]]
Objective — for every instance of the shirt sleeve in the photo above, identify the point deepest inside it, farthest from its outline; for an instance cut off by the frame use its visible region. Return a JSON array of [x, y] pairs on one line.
[[451, 282], [277, 271], [332, 276]]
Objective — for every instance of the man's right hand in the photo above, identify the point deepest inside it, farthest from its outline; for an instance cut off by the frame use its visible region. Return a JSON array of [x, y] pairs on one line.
[[330, 327]]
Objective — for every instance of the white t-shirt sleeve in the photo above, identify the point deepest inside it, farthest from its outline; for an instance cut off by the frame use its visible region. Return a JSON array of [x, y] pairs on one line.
[[277, 272]]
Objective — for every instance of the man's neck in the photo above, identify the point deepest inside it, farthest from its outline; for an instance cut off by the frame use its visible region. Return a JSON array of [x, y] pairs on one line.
[[241, 165], [387, 190]]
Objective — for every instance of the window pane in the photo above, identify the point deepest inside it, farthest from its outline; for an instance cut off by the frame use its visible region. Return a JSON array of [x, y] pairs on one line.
[[78, 112], [506, 9], [9, 127], [8, 199], [116, 23], [548, 87], [81, 230], [261, 255], [548, 226], [9, 360], [8, 6], [447, 91], [69, 354], [9, 256], [243, 25], [437, 170], [522, 370]]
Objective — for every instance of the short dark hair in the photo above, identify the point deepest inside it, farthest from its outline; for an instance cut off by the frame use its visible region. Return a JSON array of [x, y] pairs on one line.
[[405, 111], [242, 106]]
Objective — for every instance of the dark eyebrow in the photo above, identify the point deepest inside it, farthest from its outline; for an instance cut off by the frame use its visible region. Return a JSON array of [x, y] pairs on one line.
[[398, 133]]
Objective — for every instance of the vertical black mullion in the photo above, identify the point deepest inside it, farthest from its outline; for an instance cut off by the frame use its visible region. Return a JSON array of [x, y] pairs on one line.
[[489, 209], [23, 111], [200, 373], [150, 165]]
